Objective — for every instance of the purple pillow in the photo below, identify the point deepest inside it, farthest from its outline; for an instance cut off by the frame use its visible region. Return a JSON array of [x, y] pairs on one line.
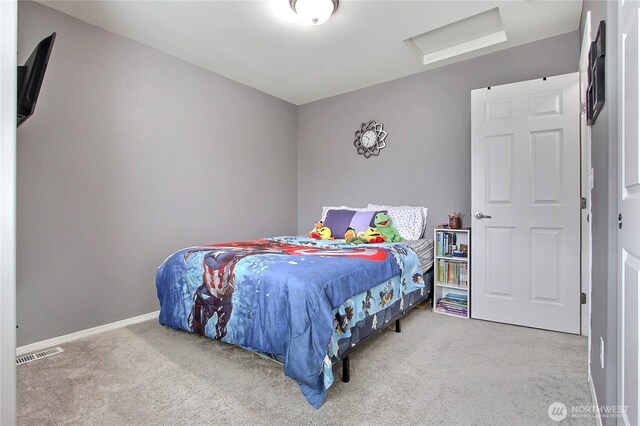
[[339, 220], [363, 220]]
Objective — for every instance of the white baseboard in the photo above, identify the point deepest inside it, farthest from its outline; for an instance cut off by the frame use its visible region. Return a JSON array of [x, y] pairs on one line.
[[595, 398], [57, 341]]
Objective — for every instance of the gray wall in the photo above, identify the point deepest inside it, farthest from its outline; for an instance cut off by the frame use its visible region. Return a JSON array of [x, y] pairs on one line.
[[131, 155], [428, 117], [604, 158]]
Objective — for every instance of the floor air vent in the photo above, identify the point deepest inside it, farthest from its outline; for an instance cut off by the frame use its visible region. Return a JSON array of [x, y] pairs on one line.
[[38, 355]]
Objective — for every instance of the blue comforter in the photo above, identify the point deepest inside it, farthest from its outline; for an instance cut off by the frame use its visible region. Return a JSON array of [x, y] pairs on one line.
[[276, 295]]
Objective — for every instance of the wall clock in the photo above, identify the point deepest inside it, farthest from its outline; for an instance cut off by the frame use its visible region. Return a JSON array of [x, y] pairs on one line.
[[370, 139]]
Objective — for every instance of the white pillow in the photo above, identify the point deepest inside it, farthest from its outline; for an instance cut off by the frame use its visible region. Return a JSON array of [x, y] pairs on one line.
[[357, 209], [410, 221]]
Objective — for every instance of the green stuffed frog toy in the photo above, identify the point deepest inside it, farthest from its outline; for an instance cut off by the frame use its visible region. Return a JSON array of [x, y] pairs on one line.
[[388, 231]]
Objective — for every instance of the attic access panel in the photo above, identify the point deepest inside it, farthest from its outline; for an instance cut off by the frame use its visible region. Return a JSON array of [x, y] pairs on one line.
[[463, 36]]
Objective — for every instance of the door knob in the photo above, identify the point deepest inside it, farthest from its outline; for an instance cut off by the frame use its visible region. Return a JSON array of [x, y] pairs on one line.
[[480, 215]]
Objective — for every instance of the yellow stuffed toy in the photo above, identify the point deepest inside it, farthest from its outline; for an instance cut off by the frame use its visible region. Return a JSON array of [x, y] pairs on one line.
[[320, 232], [373, 236], [325, 233]]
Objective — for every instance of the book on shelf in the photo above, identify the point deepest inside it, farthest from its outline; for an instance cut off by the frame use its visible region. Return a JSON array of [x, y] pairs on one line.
[[445, 242], [445, 245], [452, 303], [454, 311], [453, 273]]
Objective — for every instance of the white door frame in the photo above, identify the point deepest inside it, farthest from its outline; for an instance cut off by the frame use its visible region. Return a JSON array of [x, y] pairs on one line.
[[586, 184], [8, 105]]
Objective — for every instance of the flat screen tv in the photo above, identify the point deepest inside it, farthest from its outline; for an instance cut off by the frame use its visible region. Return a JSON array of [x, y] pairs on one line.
[[30, 76]]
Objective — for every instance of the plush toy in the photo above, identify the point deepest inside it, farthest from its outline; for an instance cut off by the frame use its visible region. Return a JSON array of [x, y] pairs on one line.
[[352, 237], [320, 232], [357, 240], [314, 232], [372, 236], [325, 234], [350, 233], [388, 231]]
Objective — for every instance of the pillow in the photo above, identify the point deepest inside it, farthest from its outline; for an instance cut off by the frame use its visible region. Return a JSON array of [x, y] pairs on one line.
[[410, 221], [356, 209], [339, 220]]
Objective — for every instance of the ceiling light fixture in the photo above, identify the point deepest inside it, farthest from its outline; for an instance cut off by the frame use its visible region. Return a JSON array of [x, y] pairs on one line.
[[314, 12]]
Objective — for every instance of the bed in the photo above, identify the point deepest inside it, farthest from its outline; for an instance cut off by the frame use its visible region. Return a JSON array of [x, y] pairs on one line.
[[302, 302]]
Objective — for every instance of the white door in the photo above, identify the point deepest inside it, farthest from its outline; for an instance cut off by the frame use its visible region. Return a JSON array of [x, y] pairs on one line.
[[629, 207], [525, 198]]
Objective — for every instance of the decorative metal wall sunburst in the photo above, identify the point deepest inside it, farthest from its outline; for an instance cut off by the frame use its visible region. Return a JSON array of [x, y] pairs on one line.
[[370, 139]]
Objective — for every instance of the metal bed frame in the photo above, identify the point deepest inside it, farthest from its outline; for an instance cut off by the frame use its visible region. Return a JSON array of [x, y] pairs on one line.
[[346, 374]]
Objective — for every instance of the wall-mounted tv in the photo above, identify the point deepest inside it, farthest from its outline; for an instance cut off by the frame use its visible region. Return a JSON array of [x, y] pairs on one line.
[[596, 86], [30, 76]]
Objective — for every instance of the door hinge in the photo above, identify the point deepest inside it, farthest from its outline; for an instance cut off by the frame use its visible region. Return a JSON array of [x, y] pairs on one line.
[[583, 203], [583, 298]]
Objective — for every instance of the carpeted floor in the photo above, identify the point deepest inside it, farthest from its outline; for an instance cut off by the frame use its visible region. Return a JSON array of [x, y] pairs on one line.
[[439, 370]]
